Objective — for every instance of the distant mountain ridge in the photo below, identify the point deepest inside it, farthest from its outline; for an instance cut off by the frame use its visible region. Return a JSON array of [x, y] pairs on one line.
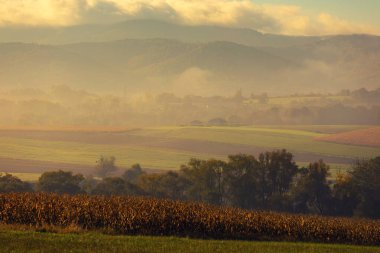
[[146, 55], [148, 29]]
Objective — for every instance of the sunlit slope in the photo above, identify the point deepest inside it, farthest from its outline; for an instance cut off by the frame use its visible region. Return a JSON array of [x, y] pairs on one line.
[[167, 147], [87, 154]]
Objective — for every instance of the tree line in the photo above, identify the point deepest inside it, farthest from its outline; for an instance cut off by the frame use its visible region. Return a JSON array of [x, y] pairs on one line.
[[271, 181]]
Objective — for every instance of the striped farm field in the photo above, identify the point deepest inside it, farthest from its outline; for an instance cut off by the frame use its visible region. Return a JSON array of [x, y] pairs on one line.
[[163, 148]]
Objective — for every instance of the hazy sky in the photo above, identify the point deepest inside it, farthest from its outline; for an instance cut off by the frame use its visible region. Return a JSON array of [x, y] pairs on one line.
[[367, 11], [296, 17]]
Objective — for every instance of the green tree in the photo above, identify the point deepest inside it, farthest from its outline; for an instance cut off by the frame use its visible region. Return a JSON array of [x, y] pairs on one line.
[[366, 180], [115, 186], [105, 166], [345, 194], [206, 181], [241, 181], [276, 170], [280, 168], [260, 183], [167, 185], [9, 183], [311, 192], [60, 182]]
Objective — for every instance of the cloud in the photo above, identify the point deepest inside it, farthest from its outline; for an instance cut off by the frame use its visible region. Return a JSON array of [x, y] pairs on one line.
[[39, 12], [283, 19], [334, 25]]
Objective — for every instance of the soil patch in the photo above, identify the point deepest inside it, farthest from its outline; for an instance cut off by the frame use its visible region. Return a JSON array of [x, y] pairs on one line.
[[364, 137]]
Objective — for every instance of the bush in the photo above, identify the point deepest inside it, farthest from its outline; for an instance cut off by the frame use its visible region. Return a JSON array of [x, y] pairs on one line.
[[9, 183], [60, 182]]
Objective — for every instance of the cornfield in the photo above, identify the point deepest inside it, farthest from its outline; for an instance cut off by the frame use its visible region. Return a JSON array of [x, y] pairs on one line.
[[144, 216]]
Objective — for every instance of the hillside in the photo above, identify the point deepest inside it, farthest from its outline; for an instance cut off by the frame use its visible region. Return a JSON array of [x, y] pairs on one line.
[[164, 65], [127, 62]]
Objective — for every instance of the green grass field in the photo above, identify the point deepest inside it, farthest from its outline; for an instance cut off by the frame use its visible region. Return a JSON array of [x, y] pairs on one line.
[[169, 147], [28, 241]]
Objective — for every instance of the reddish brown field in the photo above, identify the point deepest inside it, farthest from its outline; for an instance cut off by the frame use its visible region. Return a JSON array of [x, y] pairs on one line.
[[363, 137]]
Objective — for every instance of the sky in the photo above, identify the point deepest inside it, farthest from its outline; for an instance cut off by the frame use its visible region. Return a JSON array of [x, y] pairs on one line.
[[366, 11], [291, 17]]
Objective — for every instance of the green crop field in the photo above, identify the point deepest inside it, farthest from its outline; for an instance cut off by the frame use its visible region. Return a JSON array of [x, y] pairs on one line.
[[29, 241], [169, 147], [87, 154], [270, 138]]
